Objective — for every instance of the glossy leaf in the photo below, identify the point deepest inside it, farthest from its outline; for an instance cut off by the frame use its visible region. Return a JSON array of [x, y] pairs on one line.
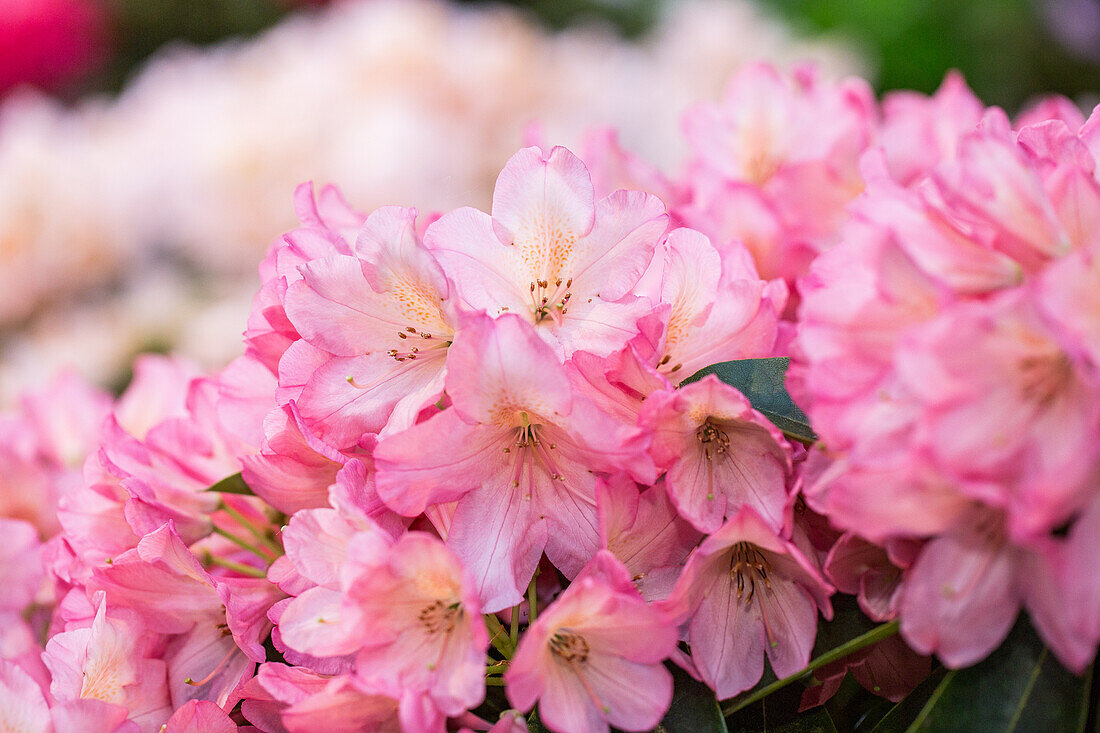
[[694, 707], [1019, 687], [232, 485], [763, 382]]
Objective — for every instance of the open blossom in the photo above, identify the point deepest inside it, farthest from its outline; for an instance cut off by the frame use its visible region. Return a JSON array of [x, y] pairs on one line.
[[514, 451], [386, 315], [298, 700], [718, 308], [106, 662], [199, 715], [593, 658], [553, 254], [745, 592], [406, 612], [721, 454], [644, 532]]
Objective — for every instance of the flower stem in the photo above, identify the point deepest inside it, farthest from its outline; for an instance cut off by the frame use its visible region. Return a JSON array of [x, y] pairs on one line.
[[874, 635], [495, 682], [499, 635], [236, 566], [243, 544], [496, 668], [532, 600], [513, 631], [255, 531]]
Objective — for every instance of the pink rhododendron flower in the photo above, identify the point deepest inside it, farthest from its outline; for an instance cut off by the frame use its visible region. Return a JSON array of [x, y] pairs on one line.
[[776, 162], [552, 254], [644, 532], [918, 132], [887, 668], [387, 317], [43, 443], [870, 573], [513, 451], [745, 592], [1002, 401], [300, 701], [407, 614], [22, 705], [719, 309], [105, 662], [441, 649], [593, 659], [199, 716], [721, 454]]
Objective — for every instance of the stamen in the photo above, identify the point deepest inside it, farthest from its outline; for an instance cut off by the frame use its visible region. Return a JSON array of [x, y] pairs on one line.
[[213, 672], [749, 566], [569, 647], [440, 617], [572, 649]]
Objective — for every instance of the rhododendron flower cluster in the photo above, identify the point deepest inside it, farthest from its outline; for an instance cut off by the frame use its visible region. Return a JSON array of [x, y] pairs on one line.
[[480, 468], [947, 362]]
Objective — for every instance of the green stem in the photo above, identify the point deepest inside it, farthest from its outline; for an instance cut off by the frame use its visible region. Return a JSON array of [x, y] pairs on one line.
[[513, 631], [532, 600], [255, 531], [236, 567], [918, 722], [498, 635], [496, 668], [243, 544], [495, 682], [874, 635]]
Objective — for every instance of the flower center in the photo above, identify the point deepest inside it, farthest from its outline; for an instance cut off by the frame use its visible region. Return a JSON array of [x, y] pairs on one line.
[[529, 448], [550, 299], [747, 567], [440, 617], [714, 440], [569, 647], [1042, 377]]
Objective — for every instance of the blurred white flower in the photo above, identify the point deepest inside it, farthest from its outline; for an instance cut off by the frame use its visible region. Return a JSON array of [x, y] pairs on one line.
[[410, 102]]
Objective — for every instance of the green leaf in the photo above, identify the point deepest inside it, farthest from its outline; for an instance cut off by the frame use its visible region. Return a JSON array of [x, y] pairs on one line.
[[778, 713], [694, 707], [762, 381], [1020, 687], [232, 485]]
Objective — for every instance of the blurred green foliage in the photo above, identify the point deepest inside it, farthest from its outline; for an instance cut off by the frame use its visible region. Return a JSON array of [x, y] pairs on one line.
[[140, 27], [631, 17], [1003, 47]]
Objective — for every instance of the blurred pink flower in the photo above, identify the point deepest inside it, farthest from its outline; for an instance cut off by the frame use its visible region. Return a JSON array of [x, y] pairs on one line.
[[50, 42]]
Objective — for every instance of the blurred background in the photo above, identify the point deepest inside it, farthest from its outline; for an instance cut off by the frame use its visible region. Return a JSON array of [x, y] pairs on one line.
[[149, 148]]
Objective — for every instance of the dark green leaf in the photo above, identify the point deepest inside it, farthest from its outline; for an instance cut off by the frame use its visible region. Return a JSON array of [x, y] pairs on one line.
[[847, 623], [232, 485], [778, 713], [534, 723], [762, 381], [694, 707], [1019, 687]]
